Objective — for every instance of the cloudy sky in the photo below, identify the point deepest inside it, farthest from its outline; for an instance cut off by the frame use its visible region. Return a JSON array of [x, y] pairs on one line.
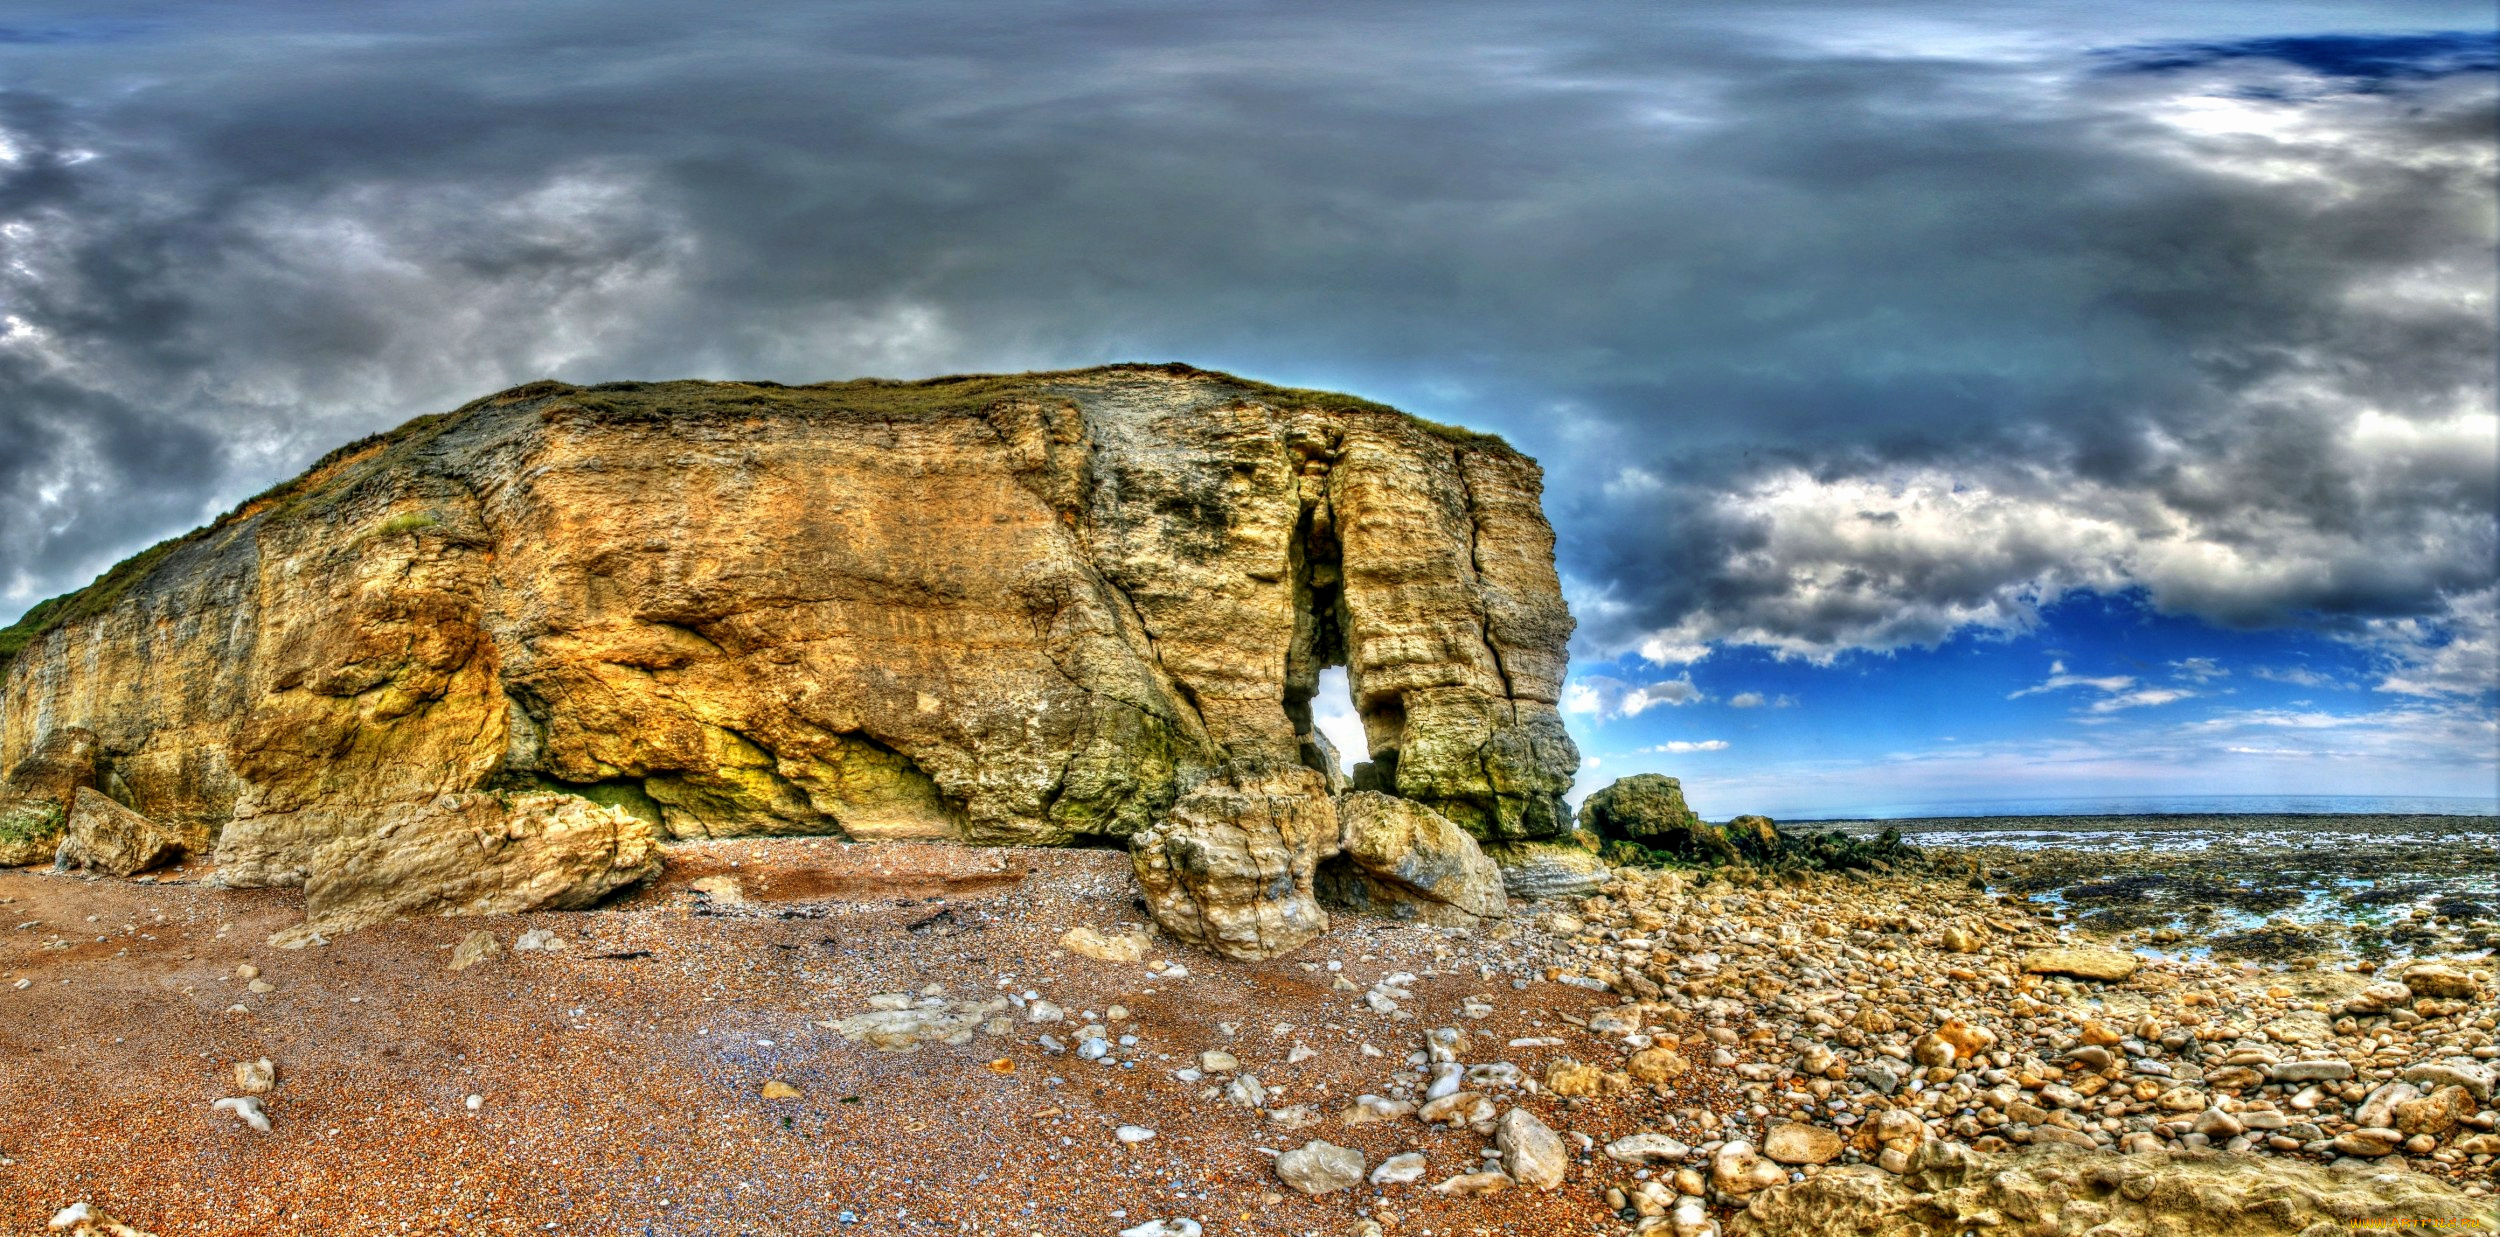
[[1943, 405]]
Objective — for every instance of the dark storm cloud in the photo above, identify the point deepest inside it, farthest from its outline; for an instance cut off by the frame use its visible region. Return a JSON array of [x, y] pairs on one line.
[[1832, 334]]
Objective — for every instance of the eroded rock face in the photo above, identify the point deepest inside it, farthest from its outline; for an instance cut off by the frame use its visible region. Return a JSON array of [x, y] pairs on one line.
[[1034, 609]]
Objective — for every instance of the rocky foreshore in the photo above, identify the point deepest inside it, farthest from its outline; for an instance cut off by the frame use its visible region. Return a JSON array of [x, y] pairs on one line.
[[938, 1039]]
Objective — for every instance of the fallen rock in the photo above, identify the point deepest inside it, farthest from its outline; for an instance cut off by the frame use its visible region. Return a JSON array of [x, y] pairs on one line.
[[1318, 1167], [1474, 1185], [472, 854], [1404, 1168], [474, 948], [104, 837], [2106, 965], [1231, 869], [2438, 979], [35, 799], [1406, 861], [1085, 942], [776, 1089], [1532, 1154], [1647, 1148]]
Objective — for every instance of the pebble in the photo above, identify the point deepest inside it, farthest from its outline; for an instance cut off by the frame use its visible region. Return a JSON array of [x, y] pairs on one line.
[[1133, 1134], [1318, 1167], [1531, 1153], [1404, 1168], [246, 1108]]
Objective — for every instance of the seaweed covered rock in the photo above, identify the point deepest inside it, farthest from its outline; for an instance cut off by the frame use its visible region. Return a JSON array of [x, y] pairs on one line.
[[1642, 820], [42, 787], [1648, 810]]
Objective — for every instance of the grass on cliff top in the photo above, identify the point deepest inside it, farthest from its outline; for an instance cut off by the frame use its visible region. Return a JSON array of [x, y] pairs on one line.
[[335, 475]]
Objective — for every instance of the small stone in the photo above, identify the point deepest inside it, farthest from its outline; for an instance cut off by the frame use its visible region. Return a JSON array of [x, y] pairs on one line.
[[474, 1102], [1792, 1142], [1404, 1168], [2310, 1071], [1318, 1167], [2368, 1143], [255, 1077], [1218, 1061], [537, 939], [1656, 1065], [1122, 947], [474, 948], [776, 1089], [1165, 1228], [1472, 1185], [1133, 1134], [1044, 1011], [1531, 1153], [247, 1108], [1647, 1148], [246, 971], [1462, 1108]]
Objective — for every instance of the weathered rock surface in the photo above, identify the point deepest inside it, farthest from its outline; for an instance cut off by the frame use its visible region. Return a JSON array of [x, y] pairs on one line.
[[1405, 860], [475, 854], [1232, 869], [1649, 808], [2058, 1191], [103, 836], [35, 800], [1036, 609], [1537, 870], [2107, 965]]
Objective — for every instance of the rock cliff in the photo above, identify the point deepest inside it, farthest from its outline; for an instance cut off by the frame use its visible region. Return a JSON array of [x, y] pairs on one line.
[[1032, 609]]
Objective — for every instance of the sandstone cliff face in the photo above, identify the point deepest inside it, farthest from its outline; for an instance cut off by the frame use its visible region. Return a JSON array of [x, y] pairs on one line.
[[1030, 609]]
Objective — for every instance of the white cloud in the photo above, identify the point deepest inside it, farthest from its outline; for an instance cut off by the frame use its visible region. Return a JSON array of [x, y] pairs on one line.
[[1680, 747], [2139, 699], [1604, 699], [2059, 680], [2298, 676], [2200, 669]]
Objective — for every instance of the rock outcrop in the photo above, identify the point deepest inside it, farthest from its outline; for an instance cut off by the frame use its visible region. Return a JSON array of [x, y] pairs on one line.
[[1038, 609], [1404, 860]]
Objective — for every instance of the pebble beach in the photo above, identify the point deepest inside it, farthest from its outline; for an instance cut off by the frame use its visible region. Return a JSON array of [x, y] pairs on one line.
[[805, 1036]]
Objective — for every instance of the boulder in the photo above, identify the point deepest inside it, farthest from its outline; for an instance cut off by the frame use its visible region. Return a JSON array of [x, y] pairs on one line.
[[2439, 979], [1534, 871], [1649, 809], [1406, 861], [106, 838], [2107, 965], [1231, 869], [36, 798], [477, 854]]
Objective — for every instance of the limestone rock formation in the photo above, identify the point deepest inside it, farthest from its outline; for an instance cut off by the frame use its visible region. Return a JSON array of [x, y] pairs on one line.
[[43, 782], [1037, 609], [2057, 1191], [1231, 870], [105, 837], [1404, 860], [1537, 870]]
